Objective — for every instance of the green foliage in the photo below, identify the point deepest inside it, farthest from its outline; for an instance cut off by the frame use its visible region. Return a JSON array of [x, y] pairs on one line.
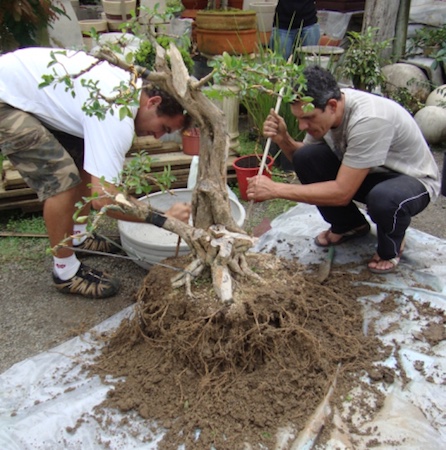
[[146, 53], [174, 7], [427, 37], [262, 80], [23, 23], [403, 96], [22, 249], [136, 178], [362, 61]]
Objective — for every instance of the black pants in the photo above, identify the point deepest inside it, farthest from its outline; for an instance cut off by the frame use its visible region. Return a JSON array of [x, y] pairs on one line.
[[392, 198]]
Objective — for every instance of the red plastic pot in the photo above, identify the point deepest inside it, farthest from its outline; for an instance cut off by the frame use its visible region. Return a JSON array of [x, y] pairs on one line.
[[191, 141], [248, 166]]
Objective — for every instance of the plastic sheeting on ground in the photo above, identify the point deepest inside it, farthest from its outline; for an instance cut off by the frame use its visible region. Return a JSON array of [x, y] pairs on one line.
[[47, 401]]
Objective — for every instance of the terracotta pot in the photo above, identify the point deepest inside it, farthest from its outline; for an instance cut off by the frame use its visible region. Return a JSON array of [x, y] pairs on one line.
[[226, 20], [213, 42], [248, 166], [191, 141]]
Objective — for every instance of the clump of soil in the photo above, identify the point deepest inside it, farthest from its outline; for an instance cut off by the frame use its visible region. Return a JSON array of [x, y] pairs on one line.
[[237, 372]]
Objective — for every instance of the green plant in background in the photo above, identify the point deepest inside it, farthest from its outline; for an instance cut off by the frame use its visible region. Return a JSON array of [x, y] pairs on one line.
[[431, 42], [24, 23], [362, 61], [174, 7], [403, 95], [260, 81], [428, 40], [146, 53]]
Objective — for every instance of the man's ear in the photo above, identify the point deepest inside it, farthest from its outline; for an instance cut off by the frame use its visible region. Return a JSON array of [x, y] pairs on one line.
[[154, 101], [332, 104]]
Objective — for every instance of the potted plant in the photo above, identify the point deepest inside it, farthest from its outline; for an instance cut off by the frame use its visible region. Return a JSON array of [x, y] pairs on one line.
[[431, 42], [24, 23], [221, 28], [428, 40], [362, 60], [190, 140]]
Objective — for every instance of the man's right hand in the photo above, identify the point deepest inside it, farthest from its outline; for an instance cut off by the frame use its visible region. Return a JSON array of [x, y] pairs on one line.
[[275, 127]]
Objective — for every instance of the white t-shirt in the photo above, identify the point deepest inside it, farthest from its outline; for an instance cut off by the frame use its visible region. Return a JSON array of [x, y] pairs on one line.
[[379, 134], [106, 141]]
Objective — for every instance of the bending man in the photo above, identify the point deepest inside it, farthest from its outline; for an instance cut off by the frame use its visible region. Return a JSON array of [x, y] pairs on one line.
[[60, 151]]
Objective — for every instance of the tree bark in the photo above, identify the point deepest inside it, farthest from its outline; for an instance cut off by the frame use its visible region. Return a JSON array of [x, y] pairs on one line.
[[382, 14], [216, 241]]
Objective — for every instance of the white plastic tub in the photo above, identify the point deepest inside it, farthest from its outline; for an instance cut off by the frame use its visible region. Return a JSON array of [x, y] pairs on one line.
[[152, 244]]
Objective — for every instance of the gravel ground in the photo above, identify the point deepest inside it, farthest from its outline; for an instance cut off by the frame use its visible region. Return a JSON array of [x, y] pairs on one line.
[[34, 317]]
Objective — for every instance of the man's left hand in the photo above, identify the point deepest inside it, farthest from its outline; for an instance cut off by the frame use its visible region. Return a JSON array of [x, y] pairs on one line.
[[180, 211]]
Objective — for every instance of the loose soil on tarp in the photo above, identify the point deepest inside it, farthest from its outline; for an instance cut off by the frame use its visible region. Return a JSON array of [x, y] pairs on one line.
[[238, 372]]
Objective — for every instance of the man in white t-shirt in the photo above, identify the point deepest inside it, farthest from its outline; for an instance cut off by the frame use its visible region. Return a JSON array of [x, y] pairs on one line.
[[63, 153], [358, 146]]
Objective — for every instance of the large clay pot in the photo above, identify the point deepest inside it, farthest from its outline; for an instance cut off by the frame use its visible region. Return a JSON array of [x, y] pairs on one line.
[[226, 20], [226, 31], [214, 42]]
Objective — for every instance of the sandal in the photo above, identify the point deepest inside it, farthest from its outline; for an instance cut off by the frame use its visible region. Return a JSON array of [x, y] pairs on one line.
[[376, 259], [394, 261], [352, 234]]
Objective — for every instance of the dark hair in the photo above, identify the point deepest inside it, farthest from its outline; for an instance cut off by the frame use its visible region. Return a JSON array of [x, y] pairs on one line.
[[169, 106], [321, 86]]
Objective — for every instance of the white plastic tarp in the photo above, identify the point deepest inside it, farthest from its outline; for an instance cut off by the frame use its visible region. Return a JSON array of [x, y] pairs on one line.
[[47, 402]]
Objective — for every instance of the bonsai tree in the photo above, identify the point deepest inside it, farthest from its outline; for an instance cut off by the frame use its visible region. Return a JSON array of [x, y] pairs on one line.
[[217, 243]]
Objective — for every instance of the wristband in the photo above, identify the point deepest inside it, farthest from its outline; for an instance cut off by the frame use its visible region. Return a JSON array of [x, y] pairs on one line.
[[156, 219]]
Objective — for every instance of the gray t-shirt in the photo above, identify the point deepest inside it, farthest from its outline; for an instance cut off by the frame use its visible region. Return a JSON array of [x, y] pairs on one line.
[[379, 134]]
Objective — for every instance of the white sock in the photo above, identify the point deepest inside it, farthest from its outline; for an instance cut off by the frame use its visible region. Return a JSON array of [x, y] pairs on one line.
[[66, 268], [79, 228]]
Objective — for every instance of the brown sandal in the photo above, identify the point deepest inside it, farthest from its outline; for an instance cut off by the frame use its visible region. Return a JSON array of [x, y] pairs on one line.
[[376, 259], [352, 234]]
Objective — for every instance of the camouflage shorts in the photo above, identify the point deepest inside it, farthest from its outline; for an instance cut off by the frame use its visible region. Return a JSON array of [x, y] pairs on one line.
[[47, 163]]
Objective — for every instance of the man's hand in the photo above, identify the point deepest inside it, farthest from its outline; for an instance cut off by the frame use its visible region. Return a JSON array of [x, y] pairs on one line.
[[275, 127], [260, 188], [180, 211]]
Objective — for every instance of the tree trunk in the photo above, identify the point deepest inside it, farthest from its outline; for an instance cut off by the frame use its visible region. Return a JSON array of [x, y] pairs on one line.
[[216, 241], [382, 14]]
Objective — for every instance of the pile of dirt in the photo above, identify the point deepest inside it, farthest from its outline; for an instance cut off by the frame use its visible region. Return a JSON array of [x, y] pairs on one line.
[[237, 372]]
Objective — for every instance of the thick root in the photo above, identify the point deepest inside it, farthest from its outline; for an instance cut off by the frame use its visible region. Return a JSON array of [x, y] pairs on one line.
[[224, 253]]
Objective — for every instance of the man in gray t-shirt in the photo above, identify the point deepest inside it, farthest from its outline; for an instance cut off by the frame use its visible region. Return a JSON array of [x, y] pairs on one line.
[[358, 146]]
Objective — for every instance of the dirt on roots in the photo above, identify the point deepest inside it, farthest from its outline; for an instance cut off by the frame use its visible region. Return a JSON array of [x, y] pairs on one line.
[[238, 372]]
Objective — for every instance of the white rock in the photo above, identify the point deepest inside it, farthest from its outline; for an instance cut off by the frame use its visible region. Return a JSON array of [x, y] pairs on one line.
[[437, 96], [406, 75], [432, 123]]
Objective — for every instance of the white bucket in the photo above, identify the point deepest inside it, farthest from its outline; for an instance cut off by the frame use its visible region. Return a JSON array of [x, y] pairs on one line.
[[151, 244]]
